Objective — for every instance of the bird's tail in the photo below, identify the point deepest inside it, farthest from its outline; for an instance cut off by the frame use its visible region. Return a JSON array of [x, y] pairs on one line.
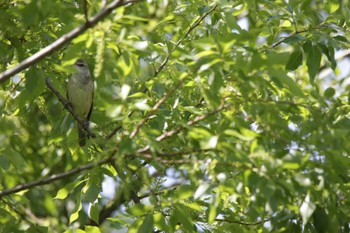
[[81, 136]]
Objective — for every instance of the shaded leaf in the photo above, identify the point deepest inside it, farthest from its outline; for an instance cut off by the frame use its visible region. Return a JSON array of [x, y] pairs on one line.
[[295, 60], [313, 60]]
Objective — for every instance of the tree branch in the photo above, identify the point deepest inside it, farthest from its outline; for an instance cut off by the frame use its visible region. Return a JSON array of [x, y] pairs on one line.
[[144, 151], [283, 39], [63, 40], [55, 177], [67, 106]]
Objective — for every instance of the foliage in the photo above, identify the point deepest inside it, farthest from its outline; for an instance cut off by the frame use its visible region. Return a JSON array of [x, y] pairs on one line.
[[225, 116]]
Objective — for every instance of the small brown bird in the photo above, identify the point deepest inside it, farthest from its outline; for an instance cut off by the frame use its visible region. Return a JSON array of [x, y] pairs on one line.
[[80, 93]]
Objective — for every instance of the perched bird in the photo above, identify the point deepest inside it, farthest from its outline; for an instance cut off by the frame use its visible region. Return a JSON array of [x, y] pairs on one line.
[[80, 93]]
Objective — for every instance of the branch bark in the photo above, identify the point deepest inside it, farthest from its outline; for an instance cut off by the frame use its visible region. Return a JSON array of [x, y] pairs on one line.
[[63, 39], [55, 177]]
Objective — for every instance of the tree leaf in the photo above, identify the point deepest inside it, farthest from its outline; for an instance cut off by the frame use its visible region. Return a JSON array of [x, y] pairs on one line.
[[182, 215], [329, 92], [147, 225], [295, 60], [94, 213], [139, 209], [313, 60], [307, 208], [92, 229]]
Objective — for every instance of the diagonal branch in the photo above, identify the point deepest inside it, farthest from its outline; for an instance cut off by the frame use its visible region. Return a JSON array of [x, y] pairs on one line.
[[189, 30], [55, 177], [242, 223], [69, 108], [63, 39]]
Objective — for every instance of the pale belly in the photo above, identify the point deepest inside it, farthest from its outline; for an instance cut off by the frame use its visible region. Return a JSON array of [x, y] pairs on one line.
[[80, 96], [81, 101]]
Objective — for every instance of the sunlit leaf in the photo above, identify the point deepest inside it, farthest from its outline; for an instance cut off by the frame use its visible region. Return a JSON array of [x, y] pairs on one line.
[[201, 190], [147, 225], [139, 209], [307, 208], [92, 229]]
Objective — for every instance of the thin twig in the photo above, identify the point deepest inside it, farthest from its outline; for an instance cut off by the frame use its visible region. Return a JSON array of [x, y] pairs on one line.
[[23, 216], [67, 106], [86, 14], [242, 223], [63, 39], [14, 88], [189, 30], [296, 32], [170, 133], [155, 107]]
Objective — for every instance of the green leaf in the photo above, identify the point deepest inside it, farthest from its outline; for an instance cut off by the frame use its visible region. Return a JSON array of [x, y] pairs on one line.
[[92, 229], [92, 193], [160, 223], [16, 159], [291, 165], [294, 38], [63, 192], [147, 225], [212, 213], [75, 215], [295, 60], [94, 213], [201, 190], [139, 209], [287, 82], [245, 134], [307, 208], [184, 192], [313, 60], [125, 64], [34, 86], [341, 38], [321, 220], [329, 92], [329, 52], [182, 215]]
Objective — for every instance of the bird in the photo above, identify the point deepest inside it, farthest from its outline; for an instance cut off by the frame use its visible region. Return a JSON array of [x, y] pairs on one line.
[[80, 94]]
